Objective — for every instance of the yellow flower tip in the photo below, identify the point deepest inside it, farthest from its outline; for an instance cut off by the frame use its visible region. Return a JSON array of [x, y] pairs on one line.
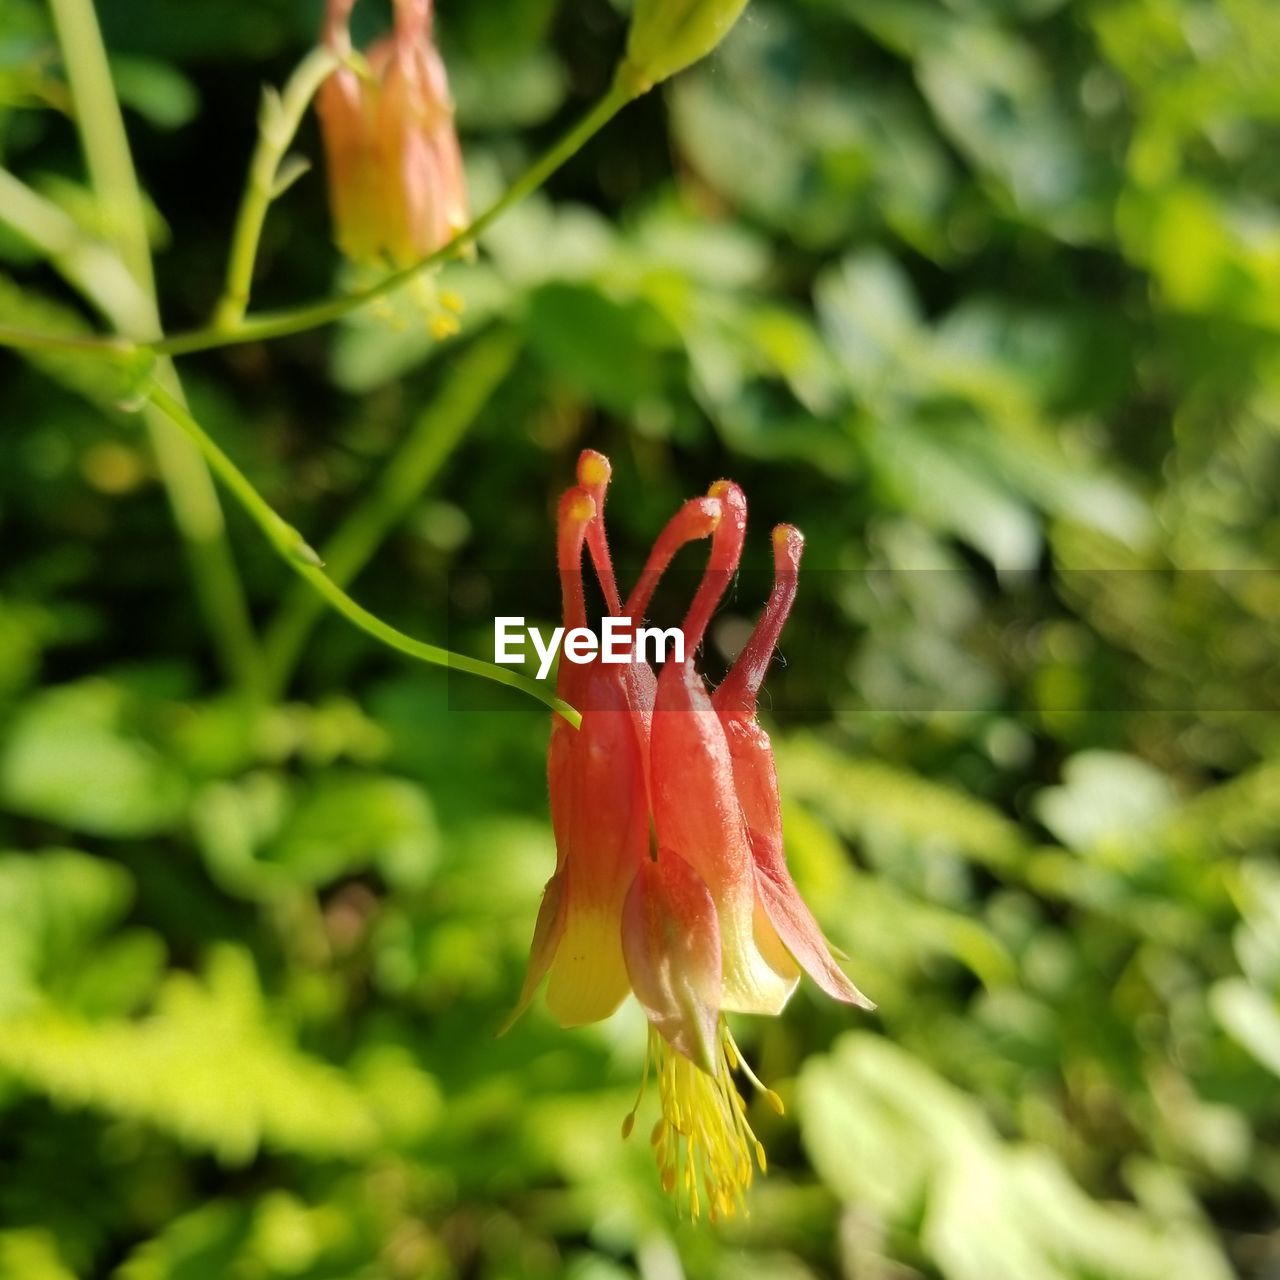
[[593, 470], [775, 1102], [720, 488], [581, 509], [453, 301], [628, 1125], [706, 1151]]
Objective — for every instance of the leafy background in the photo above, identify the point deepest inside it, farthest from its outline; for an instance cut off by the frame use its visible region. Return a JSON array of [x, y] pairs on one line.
[[983, 294]]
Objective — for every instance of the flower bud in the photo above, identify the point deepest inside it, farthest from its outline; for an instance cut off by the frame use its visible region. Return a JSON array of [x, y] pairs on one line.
[[669, 35], [396, 185]]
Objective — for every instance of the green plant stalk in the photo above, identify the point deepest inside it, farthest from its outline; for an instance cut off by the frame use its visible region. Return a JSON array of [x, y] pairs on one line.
[[192, 497], [18, 339], [278, 122], [102, 135], [471, 383], [302, 559]]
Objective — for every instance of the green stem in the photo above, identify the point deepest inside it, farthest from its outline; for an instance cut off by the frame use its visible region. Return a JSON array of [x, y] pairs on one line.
[[71, 343], [102, 134], [471, 383], [278, 122], [300, 557], [191, 493]]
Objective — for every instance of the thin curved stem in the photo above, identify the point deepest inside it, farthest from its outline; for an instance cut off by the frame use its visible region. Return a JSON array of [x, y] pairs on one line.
[[302, 559], [471, 383], [278, 122]]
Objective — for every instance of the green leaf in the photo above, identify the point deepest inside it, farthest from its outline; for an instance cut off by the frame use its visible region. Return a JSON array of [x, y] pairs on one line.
[[1105, 797], [791, 128], [860, 795], [508, 92], [73, 759], [32, 1254], [156, 90], [889, 1135], [348, 823], [52, 904], [608, 351], [206, 1067], [1250, 1018]]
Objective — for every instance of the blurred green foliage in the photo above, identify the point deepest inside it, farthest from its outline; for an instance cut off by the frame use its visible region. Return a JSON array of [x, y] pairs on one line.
[[984, 295]]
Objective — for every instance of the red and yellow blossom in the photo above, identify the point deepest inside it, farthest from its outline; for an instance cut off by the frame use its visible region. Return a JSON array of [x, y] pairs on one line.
[[396, 185], [670, 882]]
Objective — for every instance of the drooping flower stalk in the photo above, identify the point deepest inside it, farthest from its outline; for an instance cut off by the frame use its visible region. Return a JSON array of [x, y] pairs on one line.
[[671, 881]]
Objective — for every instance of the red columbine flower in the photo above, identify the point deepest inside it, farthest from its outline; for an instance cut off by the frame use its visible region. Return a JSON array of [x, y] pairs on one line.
[[396, 185], [670, 876]]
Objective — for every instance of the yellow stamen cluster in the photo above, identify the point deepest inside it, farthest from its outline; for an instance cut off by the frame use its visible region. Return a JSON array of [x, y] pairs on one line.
[[422, 302], [703, 1142]]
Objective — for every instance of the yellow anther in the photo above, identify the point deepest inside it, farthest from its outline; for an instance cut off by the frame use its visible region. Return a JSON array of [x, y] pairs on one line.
[[581, 509], [453, 301], [593, 470]]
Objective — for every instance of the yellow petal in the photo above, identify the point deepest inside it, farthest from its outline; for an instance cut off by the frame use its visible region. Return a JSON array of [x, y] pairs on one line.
[[588, 977]]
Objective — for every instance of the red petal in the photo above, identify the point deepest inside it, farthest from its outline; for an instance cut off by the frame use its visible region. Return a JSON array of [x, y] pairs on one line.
[[594, 474], [671, 941], [726, 550], [698, 518], [696, 810], [577, 510], [737, 692], [600, 812], [756, 779], [797, 928]]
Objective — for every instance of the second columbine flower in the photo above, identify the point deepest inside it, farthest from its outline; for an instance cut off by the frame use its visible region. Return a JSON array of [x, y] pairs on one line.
[[396, 185]]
